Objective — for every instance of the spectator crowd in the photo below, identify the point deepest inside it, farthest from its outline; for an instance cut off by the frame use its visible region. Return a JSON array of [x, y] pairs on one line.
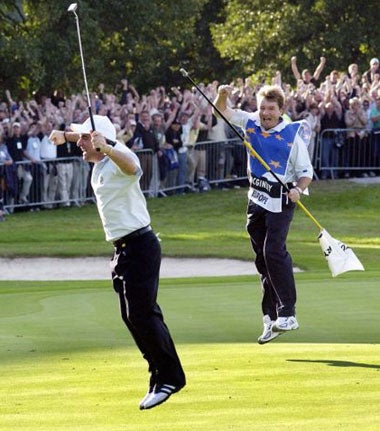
[[166, 129]]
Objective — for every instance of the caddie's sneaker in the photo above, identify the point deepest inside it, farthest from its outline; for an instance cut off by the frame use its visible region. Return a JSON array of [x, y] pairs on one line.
[[268, 333], [284, 324], [159, 395]]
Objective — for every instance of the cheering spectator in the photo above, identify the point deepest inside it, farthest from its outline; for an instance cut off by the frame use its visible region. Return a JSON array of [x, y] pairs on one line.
[[145, 139], [314, 120], [65, 171], [355, 151], [375, 119], [173, 145], [5, 161], [33, 154], [331, 118], [306, 76], [16, 144], [369, 75], [206, 122], [48, 156]]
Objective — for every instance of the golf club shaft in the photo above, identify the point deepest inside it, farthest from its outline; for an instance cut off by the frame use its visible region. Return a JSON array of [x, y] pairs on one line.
[[84, 72], [72, 8], [250, 148]]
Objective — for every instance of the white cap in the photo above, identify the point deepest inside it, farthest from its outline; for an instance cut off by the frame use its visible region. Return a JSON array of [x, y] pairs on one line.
[[102, 124]]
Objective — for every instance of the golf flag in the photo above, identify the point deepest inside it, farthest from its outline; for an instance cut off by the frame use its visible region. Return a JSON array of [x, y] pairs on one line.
[[339, 256]]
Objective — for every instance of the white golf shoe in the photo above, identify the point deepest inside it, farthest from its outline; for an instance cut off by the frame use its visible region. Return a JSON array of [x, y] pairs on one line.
[[159, 395], [268, 333], [284, 324], [145, 399]]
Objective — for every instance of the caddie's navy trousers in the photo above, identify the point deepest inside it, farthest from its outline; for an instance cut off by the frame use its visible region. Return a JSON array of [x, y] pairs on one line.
[[268, 232]]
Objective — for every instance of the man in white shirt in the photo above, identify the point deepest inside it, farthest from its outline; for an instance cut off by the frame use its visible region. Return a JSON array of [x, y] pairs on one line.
[[137, 257], [49, 155], [33, 154], [283, 146]]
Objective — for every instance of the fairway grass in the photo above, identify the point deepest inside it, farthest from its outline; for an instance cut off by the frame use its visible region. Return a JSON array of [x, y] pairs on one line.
[[67, 362], [245, 387]]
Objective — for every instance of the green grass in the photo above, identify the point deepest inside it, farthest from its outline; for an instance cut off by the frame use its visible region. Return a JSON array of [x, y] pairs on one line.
[[68, 363], [209, 225]]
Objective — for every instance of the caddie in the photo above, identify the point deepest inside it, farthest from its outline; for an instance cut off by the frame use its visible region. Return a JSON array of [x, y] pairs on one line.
[[283, 146]]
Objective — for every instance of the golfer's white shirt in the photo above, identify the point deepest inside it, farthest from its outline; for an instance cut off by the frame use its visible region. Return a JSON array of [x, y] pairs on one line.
[[120, 201]]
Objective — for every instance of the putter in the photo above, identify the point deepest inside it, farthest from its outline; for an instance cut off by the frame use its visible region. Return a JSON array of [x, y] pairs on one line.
[[339, 256], [73, 8]]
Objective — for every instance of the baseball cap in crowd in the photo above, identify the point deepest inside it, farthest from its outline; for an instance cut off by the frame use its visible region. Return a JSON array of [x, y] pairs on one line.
[[16, 124], [374, 61], [153, 111], [102, 124]]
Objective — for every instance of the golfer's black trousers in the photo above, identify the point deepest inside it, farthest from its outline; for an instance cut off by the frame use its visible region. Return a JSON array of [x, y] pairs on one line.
[[135, 272], [268, 232]]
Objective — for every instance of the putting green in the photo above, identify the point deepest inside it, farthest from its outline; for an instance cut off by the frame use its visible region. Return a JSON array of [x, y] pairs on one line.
[[68, 363]]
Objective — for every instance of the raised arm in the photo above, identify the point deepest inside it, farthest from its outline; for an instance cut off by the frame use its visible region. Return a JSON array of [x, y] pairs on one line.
[[319, 68], [59, 137], [293, 63], [220, 102]]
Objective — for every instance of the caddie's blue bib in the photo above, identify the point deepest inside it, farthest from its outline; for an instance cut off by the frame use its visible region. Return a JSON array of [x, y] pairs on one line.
[[274, 148]]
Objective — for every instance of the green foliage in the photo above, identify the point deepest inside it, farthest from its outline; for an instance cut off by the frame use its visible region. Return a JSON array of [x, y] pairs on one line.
[[145, 41], [264, 35], [149, 42]]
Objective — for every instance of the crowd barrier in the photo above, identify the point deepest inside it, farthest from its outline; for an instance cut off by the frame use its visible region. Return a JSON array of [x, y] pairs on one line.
[[65, 182], [46, 184], [206, 164], [343, 153]]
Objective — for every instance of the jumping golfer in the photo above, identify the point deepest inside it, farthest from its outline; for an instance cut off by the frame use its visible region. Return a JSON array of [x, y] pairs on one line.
[[137, 253], [283, 146]]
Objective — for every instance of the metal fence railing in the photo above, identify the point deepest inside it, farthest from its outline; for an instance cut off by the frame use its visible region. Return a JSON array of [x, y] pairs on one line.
[[343, 153], [46, 184], [66, 181], [206, 164]]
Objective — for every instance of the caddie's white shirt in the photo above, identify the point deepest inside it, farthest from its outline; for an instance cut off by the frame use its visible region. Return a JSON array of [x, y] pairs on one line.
[[120, 201], [299, 160]]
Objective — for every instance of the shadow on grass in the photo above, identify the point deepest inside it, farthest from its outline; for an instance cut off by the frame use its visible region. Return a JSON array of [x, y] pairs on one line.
[[333, 363]]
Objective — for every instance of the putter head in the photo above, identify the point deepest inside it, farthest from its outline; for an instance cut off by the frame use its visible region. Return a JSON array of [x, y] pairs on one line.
[[72, 8]]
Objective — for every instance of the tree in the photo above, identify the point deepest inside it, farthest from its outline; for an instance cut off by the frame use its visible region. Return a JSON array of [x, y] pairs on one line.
[[144, 41], [263, 35], [203, 60]]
